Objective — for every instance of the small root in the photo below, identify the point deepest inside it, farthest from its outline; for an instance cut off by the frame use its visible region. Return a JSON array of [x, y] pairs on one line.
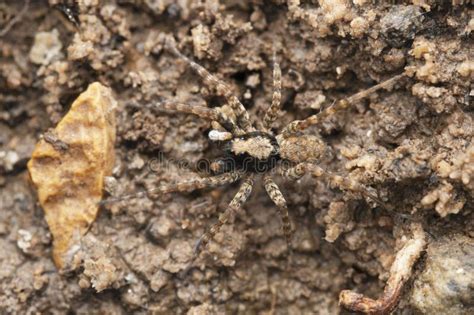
[[400, 272]]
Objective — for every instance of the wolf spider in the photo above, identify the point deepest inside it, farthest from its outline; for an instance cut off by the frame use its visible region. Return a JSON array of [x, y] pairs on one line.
[[250, 152]]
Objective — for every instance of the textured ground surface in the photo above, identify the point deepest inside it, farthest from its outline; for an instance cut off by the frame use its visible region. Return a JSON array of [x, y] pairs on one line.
[[412, 144]]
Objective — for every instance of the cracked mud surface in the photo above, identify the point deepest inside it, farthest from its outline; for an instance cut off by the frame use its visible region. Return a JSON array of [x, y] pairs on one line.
[[412, 144]]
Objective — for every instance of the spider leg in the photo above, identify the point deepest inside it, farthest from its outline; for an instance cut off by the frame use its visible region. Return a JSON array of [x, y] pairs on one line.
[[200, 111], [272, 111], [221, 88], [300, 125], [207, 113], [342, 182], [239, 199], [277, 197], [185, 186]]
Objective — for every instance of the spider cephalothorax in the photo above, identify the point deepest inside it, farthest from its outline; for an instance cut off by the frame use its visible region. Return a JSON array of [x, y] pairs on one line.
[[256, 152], [249, 152]]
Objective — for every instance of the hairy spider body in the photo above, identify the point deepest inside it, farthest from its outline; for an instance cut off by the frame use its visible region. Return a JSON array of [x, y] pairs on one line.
[[260, 152], [249, 152], [255, 152]]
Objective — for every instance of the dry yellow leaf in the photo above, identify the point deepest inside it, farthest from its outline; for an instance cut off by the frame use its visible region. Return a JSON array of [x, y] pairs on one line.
[[68, 168]]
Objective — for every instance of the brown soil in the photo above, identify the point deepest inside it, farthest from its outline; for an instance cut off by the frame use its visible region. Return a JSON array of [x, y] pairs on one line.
[[412, 144]]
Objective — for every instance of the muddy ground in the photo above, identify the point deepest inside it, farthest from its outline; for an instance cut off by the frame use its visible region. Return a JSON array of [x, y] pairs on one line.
[[411, 144]]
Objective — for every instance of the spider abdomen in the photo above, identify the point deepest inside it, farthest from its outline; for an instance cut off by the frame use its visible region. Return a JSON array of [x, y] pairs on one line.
[[303, 148]]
